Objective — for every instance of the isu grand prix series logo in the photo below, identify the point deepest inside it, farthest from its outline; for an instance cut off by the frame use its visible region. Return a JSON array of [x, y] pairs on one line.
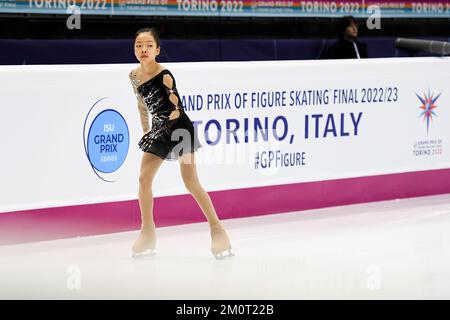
[[428, 105], [106, 139]]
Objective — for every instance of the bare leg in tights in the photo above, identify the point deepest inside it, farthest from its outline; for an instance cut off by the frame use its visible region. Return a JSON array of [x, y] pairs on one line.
[[220, 241], [149, 166], [189, 174]]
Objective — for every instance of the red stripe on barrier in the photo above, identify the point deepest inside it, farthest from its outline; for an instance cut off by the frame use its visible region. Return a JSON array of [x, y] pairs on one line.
[[104, 218]]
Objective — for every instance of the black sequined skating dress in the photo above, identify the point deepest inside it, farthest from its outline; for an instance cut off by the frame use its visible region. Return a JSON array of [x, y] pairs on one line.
[[167, 138]]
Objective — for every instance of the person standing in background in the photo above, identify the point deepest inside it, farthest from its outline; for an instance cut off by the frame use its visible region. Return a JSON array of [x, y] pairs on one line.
[[347, 46]]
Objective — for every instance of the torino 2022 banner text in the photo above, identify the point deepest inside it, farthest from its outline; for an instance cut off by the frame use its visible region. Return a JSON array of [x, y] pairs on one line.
[[234, 8]]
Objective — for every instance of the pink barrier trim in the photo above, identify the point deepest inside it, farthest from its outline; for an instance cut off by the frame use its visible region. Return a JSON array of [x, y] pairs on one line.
[[103, 218]]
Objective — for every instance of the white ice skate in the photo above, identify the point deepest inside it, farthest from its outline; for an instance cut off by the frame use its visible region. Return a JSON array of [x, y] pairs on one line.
[[145, 253], [145, 245], [220, 244]]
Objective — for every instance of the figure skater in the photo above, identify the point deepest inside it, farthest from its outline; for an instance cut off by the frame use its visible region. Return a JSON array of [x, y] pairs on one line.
[[156, 93]]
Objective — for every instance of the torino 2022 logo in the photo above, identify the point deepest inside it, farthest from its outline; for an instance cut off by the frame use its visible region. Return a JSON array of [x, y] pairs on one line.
[[106, 139], [428, 105]]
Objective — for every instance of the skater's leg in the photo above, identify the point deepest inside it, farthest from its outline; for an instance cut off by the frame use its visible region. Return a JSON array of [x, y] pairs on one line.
[[220, 244], [149, 166], [189, 174]]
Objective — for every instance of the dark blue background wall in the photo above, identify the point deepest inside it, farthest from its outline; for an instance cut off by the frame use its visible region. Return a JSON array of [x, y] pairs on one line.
[[121, 51]]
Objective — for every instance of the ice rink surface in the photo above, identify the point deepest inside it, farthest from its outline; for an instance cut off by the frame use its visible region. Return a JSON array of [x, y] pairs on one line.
[[396, 249]]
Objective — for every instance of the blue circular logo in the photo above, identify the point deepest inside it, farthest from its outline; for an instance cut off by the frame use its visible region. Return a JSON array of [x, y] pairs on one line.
[[107, 141]]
